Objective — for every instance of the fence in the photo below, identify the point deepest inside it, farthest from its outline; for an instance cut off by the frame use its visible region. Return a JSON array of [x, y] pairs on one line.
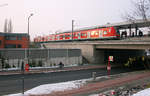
[[39, 57]]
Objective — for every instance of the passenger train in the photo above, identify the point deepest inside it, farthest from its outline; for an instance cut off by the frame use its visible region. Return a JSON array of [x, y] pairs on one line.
[[86, 34]]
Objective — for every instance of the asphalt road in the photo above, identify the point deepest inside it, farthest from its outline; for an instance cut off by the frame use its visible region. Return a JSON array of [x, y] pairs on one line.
[[13, 83]]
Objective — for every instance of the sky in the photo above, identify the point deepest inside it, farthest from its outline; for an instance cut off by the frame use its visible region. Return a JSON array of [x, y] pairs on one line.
[[52, 16]]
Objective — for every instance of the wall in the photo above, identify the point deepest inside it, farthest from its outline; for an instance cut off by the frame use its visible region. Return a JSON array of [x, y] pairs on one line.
[[99, 57], [48, 57], [88, 51]]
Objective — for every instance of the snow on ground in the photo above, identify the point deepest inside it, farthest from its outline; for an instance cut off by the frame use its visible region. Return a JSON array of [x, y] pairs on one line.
[[145, 92], [49, 88]]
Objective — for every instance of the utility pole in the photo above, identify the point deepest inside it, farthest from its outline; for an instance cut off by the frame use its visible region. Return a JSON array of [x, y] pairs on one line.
[[72, 28]]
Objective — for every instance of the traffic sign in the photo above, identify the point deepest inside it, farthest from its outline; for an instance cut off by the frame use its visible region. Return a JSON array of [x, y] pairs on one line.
[[111, 58]]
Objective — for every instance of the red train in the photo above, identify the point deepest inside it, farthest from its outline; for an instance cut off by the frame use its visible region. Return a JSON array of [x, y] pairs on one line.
[[87, 34]]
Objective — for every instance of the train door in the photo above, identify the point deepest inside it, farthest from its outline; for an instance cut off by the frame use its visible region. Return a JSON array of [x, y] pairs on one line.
[[100, 33]]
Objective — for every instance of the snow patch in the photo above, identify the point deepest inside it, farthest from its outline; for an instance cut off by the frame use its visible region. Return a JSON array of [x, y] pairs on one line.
[[49, 88], [145, 92]]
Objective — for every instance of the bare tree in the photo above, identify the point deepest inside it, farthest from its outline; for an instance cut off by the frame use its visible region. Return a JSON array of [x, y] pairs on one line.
[[141, 10], [8, 26], [5, 26]]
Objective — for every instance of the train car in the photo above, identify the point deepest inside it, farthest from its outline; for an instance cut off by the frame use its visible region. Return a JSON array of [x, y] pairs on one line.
[[88, 34]]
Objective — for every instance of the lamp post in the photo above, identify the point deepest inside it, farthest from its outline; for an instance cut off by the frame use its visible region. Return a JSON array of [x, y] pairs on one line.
[[26, 53], [29, 28], [29, 35], [72, 28]]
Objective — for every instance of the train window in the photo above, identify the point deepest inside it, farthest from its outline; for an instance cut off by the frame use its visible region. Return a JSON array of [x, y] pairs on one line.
[[105, 32], [93, 32], [67, 35], [61, 36], [96, 33], [83, 34]]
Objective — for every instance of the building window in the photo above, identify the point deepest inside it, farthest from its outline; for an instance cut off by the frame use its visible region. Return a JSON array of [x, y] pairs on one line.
[[19, 46], [11, 38], [10, 46], [19, 38]]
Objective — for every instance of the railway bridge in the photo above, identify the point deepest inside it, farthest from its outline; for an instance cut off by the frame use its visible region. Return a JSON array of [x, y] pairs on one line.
[[97, 52]]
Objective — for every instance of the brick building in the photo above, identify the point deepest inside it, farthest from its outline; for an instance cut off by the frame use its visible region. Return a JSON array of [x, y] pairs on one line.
[[13, 40]]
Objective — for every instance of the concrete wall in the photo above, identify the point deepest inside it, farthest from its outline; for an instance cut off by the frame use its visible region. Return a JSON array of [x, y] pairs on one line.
[[48, 57], [88, 51]]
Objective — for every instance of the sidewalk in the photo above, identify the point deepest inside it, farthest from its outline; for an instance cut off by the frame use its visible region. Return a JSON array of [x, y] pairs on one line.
[[47, 70], [93, 87]]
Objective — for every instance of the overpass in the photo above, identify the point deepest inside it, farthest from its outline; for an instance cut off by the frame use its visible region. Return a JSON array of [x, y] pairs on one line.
[[98, 51]]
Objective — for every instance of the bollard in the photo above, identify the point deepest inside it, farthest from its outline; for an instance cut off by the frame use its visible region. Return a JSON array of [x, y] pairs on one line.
[[94, 75]]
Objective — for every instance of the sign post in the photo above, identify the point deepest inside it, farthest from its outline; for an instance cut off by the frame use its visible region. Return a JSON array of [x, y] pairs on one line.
[[110, 59]]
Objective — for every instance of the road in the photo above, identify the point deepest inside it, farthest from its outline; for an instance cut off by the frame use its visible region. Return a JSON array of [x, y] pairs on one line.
[[13, 83]]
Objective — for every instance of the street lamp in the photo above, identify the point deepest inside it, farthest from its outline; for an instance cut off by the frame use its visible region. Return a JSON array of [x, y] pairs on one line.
[[29, 28], [72, 28], [27, 54]]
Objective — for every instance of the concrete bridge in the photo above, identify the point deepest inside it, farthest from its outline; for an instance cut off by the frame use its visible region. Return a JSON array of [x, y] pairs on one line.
[[98, 51]]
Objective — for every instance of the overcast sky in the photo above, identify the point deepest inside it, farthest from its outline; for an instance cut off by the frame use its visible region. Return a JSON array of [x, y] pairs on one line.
[[56, 15]]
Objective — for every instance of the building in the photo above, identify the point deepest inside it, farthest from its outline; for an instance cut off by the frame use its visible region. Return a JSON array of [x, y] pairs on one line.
[[13, 40]]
